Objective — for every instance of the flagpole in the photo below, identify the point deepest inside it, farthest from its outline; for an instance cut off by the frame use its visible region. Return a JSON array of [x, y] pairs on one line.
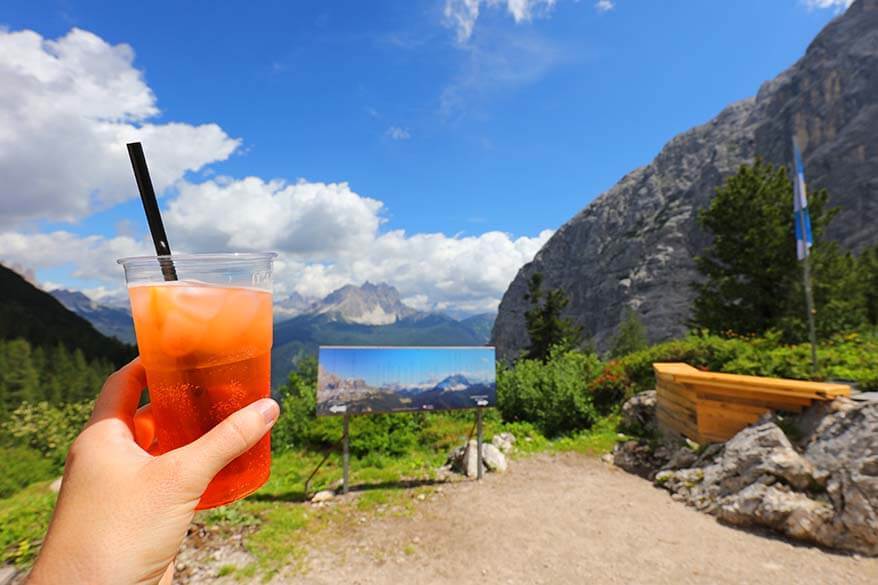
[[809, 305], [804, 241]]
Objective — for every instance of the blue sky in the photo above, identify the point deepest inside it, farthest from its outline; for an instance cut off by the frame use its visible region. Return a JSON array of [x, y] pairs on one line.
[[409, 141], [380, 366]]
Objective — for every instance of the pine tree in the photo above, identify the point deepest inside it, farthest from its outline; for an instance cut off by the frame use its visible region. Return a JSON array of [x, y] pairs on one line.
[[630, 337], [4, 368], [545, 325], [41, 364], [82, 384], [21, 379], [751, 274], [839, 293], [62, 374]]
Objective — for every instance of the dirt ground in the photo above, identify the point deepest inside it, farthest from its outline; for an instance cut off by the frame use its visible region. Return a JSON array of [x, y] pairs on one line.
[[566, 519]]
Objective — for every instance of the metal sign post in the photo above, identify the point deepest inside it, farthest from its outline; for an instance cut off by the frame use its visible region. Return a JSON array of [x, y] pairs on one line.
[[344, 442], [479, 440], [345, 456], [480, 406]]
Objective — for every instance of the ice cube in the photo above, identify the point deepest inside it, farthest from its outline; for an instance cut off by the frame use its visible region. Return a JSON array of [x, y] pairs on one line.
[[182, 334], [243, 324], [197, 301]]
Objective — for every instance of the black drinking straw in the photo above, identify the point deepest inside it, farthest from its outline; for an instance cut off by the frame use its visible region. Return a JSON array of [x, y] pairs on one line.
[[151, 207]]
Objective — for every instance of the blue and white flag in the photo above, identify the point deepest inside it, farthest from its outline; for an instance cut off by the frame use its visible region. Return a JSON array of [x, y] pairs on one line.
[[804, 239]]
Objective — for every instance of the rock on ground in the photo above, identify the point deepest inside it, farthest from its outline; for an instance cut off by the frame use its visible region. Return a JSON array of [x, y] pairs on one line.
[[492, 457], [844, 451], [638, 414], [322, 496], [464, 459], [827, 494], [504, 441]]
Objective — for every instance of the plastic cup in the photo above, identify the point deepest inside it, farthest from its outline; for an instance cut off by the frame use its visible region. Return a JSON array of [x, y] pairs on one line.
[[205, 342]]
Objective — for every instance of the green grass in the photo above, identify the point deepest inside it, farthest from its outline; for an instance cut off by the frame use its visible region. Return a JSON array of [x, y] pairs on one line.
[[24, 518], [595, 441], [278, 541]]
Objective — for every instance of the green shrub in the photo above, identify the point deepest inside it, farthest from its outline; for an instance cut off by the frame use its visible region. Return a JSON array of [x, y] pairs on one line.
[[708, 352], [46, 428], [553, 396], [299, 426], [297, 417], [850, 356], [20, 467]]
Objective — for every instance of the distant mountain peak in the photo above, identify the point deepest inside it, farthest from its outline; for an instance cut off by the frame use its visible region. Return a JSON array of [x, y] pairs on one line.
[[74, 300], [369, 304], [109, 320], [290, 306], [454, 382]]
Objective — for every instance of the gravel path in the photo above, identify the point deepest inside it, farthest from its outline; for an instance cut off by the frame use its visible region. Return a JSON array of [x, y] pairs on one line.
[[566, 519]]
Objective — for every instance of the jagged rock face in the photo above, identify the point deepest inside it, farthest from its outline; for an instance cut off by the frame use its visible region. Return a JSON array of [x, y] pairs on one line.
[[845, 453], [290, 306], [634, 246], [370, 304]]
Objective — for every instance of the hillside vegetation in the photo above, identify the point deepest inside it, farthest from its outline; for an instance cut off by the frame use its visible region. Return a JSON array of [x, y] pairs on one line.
[[31, 314], [568, 402]]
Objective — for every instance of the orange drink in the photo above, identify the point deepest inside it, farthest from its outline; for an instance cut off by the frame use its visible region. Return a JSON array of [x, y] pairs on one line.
[[206, 348]]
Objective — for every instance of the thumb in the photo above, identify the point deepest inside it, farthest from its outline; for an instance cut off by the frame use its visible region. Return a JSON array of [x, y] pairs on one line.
[[206, 456]]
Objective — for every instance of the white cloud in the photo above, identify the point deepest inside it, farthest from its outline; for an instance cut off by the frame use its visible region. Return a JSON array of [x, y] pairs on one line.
[[397, 133], [310, 220], [92, 258], [462, 15], [604, 5], [523, 10], [497, 64], [67, 108], [327, 236], [839, 5]]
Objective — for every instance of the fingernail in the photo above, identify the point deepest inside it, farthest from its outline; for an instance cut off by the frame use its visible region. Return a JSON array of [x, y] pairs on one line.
[[269, 410]]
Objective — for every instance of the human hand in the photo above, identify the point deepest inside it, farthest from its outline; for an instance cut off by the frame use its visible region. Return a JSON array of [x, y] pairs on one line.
[[122, 513]]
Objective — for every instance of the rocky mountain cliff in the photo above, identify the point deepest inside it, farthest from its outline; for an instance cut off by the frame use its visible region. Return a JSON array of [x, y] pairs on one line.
[[370, 304], [634, 245]]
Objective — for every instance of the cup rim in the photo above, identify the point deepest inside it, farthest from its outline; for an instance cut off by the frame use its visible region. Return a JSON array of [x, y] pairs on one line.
[[210, 256]]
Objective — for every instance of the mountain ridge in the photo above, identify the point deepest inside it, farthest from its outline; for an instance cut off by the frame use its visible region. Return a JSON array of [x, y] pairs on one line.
[[32, 314], [110, 321]]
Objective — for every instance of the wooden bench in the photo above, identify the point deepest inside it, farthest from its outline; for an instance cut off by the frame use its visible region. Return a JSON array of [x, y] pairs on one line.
[[710, 407]]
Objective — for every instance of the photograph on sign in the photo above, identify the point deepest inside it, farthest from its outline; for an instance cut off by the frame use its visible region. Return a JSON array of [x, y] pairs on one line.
[[362, 380]]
